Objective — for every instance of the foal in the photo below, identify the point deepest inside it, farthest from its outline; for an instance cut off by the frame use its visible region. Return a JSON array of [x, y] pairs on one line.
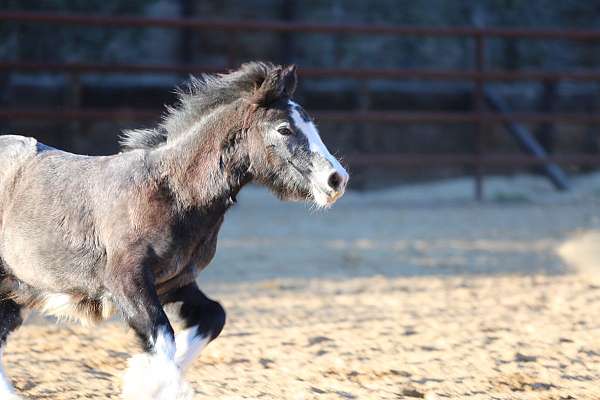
[[87, 237]]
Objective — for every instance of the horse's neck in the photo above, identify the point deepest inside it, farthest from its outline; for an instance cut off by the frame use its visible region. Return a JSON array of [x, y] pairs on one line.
[[192, 165]]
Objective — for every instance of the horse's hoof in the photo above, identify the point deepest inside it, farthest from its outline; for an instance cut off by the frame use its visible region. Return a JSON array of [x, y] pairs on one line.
[[151, 377]]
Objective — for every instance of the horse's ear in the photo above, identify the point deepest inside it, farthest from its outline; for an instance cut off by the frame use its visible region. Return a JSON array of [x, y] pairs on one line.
[[279, 82], [270, 88], [289, 77]]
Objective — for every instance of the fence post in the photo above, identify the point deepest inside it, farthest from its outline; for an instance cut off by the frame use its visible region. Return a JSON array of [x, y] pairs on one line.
[[479, 108], [233, 50], [288, 14], [74, 102], [363, 140]]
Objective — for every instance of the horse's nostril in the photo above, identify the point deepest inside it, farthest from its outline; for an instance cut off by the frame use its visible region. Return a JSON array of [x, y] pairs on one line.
[[335, 181]]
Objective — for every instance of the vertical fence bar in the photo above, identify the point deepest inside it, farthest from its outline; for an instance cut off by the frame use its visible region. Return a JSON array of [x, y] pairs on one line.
[[187, 50], [363, 141], [288, 14], [233, 50], [479, 95], [74, 101]]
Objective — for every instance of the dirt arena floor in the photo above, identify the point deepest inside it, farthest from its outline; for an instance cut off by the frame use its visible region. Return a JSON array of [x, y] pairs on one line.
[[413, 293]]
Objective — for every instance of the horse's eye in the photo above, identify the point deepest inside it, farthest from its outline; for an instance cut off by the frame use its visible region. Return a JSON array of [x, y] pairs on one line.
[[285, 131]]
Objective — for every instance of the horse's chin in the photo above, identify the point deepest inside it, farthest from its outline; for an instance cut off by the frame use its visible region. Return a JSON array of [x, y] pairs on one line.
[[318, 198], [296, 196], [322, 199], [314, 195]]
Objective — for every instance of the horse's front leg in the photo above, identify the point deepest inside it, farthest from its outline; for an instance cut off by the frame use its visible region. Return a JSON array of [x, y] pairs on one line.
[[203, 321], [10, 319], [152, 375]]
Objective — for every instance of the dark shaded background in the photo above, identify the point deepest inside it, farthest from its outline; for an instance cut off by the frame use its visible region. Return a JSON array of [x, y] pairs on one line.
[[53, 43]]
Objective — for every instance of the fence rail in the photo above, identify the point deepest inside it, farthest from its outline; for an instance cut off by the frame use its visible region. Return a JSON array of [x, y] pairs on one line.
[[286, 26], [478, 74], [386, 117], [353, 73]]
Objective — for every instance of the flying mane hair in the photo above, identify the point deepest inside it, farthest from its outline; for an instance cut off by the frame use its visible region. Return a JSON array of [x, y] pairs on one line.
[[194, 101]]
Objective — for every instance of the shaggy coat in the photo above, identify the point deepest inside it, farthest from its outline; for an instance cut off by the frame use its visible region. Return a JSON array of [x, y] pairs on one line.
[[86, 237]]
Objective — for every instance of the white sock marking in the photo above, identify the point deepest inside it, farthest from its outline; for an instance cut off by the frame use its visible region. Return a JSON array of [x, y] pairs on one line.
[[155, 376], [164, 345], [6, 388], [189, 346]]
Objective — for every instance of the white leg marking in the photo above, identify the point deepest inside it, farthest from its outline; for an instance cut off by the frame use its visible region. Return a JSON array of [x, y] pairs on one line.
[[7, 391], [164, 345], [156, 376], [189, 346]]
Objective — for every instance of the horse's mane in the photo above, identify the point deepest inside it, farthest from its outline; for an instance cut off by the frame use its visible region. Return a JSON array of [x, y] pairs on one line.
[[195, 99]]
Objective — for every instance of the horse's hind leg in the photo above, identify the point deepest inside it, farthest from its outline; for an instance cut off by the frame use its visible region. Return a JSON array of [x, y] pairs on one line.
[[152, 375], [10, 319], [203, 321]]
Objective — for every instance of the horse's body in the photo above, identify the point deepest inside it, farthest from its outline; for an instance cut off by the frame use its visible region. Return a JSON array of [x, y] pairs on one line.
[[64, 216], [87, 237]]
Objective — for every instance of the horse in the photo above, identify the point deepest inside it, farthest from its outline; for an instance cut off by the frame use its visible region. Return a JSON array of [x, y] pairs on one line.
[[90, 237]]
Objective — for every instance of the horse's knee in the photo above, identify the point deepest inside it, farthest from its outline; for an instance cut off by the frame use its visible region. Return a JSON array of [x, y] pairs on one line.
[[10, 319], [209, 318], [218, 318], [204, 323]]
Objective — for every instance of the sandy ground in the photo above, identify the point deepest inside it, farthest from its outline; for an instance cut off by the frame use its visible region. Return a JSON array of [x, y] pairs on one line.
[[412, 293]]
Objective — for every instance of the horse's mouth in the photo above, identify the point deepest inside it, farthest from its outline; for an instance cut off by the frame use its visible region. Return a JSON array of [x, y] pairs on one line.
[[323, 197], [332, 195]]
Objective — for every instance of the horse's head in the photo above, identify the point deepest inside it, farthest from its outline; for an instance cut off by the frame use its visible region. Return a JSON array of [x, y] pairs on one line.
[[286, 152]]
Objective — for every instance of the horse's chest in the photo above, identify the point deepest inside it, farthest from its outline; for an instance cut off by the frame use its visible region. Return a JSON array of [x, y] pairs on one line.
[[188, 254]]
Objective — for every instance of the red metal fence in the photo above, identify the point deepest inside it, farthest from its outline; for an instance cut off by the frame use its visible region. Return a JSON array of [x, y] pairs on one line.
[[478, 74]]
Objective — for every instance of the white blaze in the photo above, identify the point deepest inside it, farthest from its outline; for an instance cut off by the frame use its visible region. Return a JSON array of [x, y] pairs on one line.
[[316, 145]]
